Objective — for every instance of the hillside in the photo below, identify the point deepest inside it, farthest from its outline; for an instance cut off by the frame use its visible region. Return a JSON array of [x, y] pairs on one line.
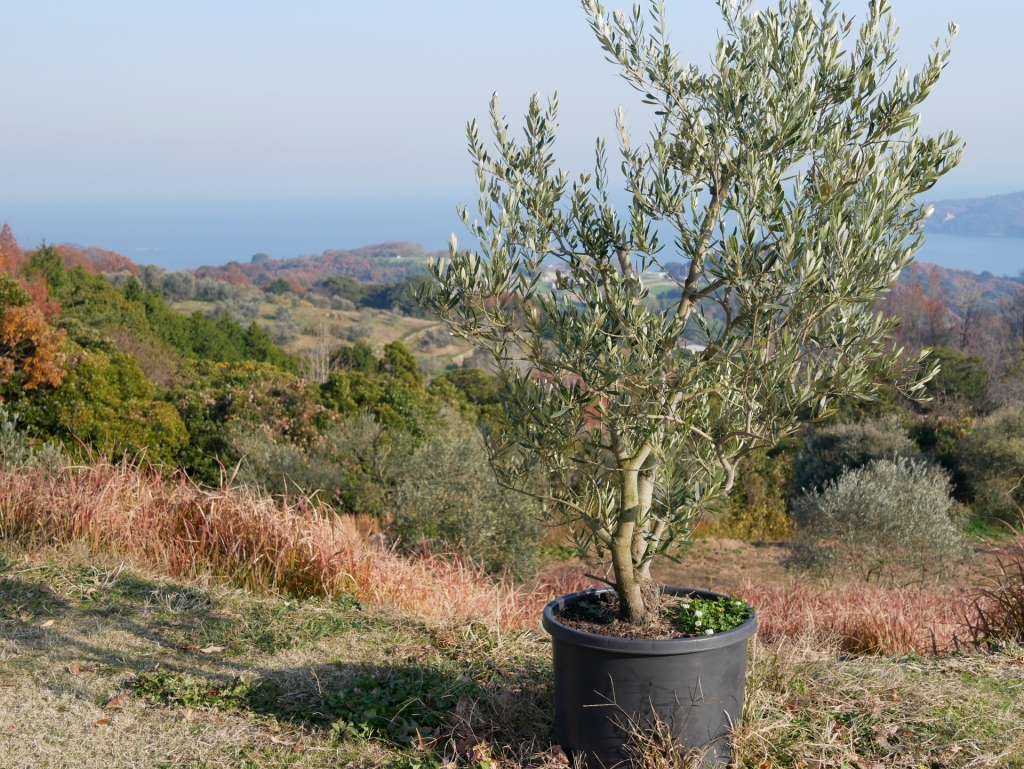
[[995, 216], [380, 263]]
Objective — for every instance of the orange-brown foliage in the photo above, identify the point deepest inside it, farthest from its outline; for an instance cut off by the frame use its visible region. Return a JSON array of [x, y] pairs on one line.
[[95, 260], [924, 309], [11, 256], [30, 345]]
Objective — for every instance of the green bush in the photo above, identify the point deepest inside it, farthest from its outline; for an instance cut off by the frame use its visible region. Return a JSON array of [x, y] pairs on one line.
[[106, 403], [447, 499], [757, 508], [18, 450], [830, 451], [888, 516], [992, 460], [350, 467], [962, 381]]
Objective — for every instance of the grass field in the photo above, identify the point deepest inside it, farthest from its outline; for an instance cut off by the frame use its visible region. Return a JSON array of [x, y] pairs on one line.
[[106, 665]]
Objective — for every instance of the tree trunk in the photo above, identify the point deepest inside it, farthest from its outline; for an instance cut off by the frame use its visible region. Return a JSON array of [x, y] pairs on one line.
[[634, 588]]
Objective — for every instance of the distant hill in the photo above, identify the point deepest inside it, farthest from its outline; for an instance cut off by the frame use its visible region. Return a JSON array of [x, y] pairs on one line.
[[995, 216], [381, 263]]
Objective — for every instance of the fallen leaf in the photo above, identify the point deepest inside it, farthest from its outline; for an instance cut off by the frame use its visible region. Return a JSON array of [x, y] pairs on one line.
[[556, 755], [48, 623], [116, 701], [480, 752], [279, 741], [45, 588], [75, 669], [461, 705], [891, 695], [101, 722], [468, 746], [212, 649], [766, 764], [188, 714]]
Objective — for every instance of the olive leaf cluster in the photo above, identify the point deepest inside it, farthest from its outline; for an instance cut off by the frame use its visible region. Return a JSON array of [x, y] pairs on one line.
[[784, 177]]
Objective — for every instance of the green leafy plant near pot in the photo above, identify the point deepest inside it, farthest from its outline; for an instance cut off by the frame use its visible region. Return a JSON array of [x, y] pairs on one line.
[[785, 178]]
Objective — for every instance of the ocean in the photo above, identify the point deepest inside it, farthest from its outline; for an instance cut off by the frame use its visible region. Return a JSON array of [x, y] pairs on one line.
[[180, 233]]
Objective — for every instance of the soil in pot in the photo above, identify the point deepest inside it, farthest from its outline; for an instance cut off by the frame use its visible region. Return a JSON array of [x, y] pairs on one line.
[[678, 616]]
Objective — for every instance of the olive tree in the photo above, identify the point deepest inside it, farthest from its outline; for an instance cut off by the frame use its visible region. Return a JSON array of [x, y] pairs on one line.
[[785, 174]]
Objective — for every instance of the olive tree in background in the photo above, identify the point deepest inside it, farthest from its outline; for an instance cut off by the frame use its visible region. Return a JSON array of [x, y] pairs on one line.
[[786, 176]]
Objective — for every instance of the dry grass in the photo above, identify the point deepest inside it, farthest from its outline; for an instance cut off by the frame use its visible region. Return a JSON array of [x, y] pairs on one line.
[[815, 706], [864, 618], [811, 700], [292, 546], [808, 704], [997, 610], [301, 549]]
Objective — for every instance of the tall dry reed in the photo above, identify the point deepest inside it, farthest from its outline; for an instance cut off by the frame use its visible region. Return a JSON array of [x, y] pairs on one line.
[[303, 549], [256, 541], [863, 618]]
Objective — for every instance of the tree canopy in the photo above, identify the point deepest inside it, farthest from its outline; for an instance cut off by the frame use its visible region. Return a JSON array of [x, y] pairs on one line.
[[784, 177]]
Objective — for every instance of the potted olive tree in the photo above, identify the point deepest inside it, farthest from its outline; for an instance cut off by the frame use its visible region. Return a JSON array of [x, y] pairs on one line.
[[776, 193]]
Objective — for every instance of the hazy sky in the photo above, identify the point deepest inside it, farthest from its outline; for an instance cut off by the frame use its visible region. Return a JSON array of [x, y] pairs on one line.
[[111, 98]]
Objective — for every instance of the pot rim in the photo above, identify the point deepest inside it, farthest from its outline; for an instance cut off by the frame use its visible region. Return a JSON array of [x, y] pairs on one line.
[[645, 646]]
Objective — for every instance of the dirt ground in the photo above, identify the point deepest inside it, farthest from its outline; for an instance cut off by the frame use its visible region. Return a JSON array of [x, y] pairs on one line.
[[725, 564]]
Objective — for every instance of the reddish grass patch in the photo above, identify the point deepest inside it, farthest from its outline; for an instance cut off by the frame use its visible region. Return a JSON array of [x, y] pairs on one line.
[[294, 546], [864, 618], [303, 549]]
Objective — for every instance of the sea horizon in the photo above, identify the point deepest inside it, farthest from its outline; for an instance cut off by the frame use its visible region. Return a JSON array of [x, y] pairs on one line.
[[189, 232]]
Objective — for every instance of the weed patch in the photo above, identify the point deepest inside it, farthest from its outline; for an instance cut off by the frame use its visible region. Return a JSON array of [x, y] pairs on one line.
[[403, 704], [167, 688]]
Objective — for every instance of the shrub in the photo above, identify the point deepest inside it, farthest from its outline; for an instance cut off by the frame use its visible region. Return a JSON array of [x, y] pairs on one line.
[[828, 452], [17, 450], [962, 382], [244, 308], [107, 403], [873, 519], [213, 290], [757, 508], [360, 331], [992, 459], [447, 498], [316, 300], [179, 286], [281, 467]]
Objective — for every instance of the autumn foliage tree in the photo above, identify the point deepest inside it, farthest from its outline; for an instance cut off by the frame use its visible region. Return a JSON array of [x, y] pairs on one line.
[[31, 353], [11, 257]]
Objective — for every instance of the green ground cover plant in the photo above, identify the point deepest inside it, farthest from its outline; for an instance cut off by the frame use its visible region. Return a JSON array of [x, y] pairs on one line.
[[707, 616]]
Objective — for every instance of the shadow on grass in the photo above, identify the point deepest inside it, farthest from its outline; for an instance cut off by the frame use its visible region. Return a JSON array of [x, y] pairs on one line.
[[401, 705]]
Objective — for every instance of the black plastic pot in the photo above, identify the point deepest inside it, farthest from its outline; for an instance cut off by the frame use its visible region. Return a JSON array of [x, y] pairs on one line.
[[603, 684]]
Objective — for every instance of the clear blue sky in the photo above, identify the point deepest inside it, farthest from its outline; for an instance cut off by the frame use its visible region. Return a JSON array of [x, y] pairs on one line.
[[111, 98]]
